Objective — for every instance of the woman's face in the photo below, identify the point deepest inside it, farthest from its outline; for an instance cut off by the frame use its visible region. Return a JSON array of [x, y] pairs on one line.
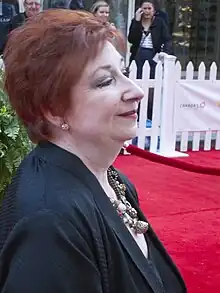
[[148, 10], [104, 102], [103, 12]]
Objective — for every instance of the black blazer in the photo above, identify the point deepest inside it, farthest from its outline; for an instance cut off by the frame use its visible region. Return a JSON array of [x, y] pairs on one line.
[[159, 33], [59, 233]]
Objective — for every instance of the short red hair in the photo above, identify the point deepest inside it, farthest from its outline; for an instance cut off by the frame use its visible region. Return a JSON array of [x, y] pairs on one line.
[[45, 58]]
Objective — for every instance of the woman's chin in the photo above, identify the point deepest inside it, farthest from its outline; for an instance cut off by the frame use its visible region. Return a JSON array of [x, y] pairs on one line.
[[124, 131], [128, 135], [147, 16]]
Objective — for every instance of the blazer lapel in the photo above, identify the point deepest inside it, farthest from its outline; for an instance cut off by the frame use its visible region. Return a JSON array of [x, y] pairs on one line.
[[125, 237], [62, 158]]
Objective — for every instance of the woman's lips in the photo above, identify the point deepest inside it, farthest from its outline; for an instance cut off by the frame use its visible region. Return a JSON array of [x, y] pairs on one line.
[[129, 114]]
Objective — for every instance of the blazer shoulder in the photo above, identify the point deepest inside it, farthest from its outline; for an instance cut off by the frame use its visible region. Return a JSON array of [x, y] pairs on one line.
[[38, 185]]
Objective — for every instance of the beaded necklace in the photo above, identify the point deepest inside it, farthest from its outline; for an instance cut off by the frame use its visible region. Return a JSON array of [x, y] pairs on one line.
[[123, 207]]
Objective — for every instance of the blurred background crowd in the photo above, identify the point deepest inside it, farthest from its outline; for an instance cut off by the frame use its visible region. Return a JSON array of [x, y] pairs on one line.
[[193, 24]]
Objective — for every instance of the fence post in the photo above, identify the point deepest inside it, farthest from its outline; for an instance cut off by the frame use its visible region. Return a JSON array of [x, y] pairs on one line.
[[167, 134]]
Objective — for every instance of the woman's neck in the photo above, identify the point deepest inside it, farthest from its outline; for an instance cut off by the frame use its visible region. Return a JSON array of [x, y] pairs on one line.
[[97, 157], [146, 22]]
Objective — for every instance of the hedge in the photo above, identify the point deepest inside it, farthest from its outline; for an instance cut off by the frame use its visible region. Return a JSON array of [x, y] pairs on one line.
[[14, 142]]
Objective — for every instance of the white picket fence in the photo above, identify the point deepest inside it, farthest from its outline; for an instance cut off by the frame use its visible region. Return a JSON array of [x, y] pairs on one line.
[[162, 137], [198, 137]]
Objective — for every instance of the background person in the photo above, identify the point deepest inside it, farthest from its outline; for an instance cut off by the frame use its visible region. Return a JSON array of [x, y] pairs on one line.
[[31, 7], [11, 18], [171, 11], [9, 9], [77, 5], [160, 12], [101, 9], [147, 35]]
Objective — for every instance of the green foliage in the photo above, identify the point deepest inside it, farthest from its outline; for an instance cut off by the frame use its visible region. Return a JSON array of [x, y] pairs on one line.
[[14, 142]]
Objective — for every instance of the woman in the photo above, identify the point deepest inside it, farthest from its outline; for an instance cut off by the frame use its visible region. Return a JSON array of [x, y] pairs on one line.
[[101, 10], [147, 35], [70, 222], [160, 12]]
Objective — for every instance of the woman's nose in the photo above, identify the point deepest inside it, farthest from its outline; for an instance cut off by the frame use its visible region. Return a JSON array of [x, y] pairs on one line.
[[133, 92]]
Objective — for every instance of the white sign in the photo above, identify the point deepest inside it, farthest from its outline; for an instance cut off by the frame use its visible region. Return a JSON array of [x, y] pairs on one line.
[[197, 105]]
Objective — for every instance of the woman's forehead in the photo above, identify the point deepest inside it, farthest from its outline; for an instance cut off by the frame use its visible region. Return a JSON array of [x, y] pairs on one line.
[[108, 55], [147, 4], [108, 59], [103, 8]]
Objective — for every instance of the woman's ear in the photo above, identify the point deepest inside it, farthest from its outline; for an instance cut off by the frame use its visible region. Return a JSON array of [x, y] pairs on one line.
[[54, 120]]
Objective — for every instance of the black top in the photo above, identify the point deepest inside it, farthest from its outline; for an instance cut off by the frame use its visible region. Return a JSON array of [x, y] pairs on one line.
[[59, 233], [159, 33]]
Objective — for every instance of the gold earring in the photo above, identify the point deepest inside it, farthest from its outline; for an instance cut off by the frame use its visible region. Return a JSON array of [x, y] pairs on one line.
[[65, 126]]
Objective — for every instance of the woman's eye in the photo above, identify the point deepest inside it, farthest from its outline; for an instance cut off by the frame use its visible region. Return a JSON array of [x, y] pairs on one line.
[[105, 83], [126, 71]]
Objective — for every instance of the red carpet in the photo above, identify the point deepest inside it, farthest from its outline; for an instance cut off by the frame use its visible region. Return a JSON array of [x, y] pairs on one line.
[[184, 209], [178, 163]]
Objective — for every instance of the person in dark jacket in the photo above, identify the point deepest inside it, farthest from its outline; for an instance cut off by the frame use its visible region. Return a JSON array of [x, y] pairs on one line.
[[160, 13], [9, 9], [77, 5], [148, 35], [31, 7], [70, 222]]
